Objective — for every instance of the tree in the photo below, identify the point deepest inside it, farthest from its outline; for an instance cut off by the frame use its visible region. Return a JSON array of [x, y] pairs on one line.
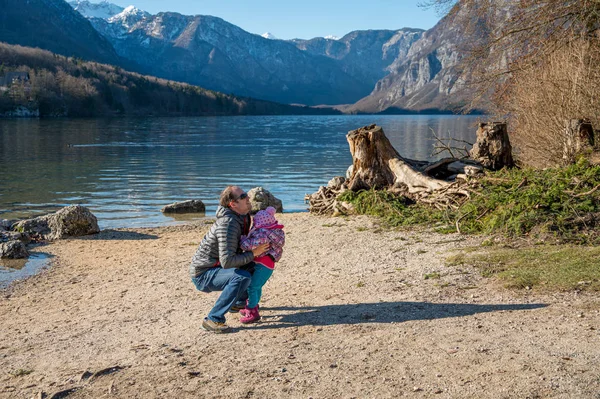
[[539, 58]]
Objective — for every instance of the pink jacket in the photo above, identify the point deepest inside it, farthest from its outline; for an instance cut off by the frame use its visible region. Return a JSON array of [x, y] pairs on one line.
[[275, 237]]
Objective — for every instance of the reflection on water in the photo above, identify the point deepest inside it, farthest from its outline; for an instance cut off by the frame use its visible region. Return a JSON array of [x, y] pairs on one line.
[[126, 170], [17, 269]]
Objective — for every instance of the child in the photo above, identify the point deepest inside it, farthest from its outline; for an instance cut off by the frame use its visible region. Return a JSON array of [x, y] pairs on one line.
[[266, 229]]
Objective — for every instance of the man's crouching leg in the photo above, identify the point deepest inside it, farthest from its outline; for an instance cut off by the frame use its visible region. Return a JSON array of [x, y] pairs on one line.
[[232, 283], [240, 303]]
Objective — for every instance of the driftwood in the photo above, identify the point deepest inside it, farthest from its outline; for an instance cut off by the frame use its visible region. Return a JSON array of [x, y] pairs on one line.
[[377, 165]]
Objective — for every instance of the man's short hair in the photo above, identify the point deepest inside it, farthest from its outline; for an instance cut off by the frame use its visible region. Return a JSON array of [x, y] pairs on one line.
[[227, 196]]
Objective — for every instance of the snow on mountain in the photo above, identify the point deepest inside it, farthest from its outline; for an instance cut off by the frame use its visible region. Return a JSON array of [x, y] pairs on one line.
[[129, 17], [269, 35], [215, 54], [103, 10]]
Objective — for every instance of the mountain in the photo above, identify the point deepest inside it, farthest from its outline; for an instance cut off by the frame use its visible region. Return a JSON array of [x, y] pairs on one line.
[[269, 35], [426, 77], [365, 55], [374, 70], [212, 53], [104, 9], [53, 25]]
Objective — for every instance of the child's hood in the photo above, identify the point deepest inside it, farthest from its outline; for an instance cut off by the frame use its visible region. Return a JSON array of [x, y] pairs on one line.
[[265, 219]]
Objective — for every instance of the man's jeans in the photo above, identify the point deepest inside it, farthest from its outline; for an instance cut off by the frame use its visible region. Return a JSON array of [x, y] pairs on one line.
[[233, 283]]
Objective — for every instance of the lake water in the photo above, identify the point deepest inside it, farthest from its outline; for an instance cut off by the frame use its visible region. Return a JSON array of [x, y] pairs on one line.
[[126, 170]]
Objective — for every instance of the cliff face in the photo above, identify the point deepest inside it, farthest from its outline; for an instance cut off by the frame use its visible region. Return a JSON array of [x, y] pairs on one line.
[[425, 78], [365, 55]]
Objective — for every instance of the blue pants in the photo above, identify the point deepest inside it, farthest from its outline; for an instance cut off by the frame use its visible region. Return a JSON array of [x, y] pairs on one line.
[[259, 278], [233, 283]]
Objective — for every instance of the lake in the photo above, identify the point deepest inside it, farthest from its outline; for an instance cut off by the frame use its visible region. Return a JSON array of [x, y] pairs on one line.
[[125, 170]]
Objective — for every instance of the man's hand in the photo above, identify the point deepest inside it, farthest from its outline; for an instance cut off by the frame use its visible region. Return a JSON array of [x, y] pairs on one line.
[[262, 248]]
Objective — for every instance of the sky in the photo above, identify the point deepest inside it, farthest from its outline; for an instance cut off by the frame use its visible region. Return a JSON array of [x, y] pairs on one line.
[[302, 19]]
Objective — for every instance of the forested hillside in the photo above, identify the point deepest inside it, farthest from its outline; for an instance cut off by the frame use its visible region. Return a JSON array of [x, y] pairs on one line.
[[53, 25], [64, 86]]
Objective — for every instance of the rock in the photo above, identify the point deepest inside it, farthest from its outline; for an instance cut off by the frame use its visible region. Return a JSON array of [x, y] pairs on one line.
[[6, 236], [191, 206], [472, 170], [13, 250], [459, 167], [261, 199], [35, 226], [349, 171], [71, 221], [5, 224], [336, 183]]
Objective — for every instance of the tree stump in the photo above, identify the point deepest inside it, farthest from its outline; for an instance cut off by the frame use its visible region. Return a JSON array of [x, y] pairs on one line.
[[578, 139], [376, 164], [492, 149]]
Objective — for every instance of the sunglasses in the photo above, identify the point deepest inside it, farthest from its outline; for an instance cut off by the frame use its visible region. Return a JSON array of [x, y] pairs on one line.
[[242, 196]]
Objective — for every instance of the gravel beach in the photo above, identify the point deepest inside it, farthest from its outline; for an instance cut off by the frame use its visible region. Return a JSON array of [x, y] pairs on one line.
[[352, 311]]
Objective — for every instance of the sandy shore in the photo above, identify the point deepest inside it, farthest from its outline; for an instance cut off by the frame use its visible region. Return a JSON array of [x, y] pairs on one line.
[[348, 313]]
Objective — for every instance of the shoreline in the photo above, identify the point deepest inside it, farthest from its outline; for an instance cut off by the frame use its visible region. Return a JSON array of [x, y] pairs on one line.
[[347, 313], [42, 261]]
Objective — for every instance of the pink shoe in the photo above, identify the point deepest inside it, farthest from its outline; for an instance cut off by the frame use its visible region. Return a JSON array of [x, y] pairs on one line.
[[250, 316], [244, 312]]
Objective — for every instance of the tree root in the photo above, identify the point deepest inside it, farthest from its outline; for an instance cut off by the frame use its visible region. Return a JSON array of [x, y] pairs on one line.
[[452, 196]]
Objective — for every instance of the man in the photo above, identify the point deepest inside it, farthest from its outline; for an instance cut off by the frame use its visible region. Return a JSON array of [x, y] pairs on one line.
[[219, 264]]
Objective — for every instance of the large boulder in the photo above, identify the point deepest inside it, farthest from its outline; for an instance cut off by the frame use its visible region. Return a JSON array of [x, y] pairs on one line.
[[13, 250], [261, 199], [71, 221], [191, 206]]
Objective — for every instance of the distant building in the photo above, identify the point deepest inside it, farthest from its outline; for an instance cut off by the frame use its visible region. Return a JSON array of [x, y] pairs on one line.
[[11, 78]]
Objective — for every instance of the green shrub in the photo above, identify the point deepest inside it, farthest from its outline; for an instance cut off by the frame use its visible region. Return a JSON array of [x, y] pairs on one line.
[[558, 203]]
